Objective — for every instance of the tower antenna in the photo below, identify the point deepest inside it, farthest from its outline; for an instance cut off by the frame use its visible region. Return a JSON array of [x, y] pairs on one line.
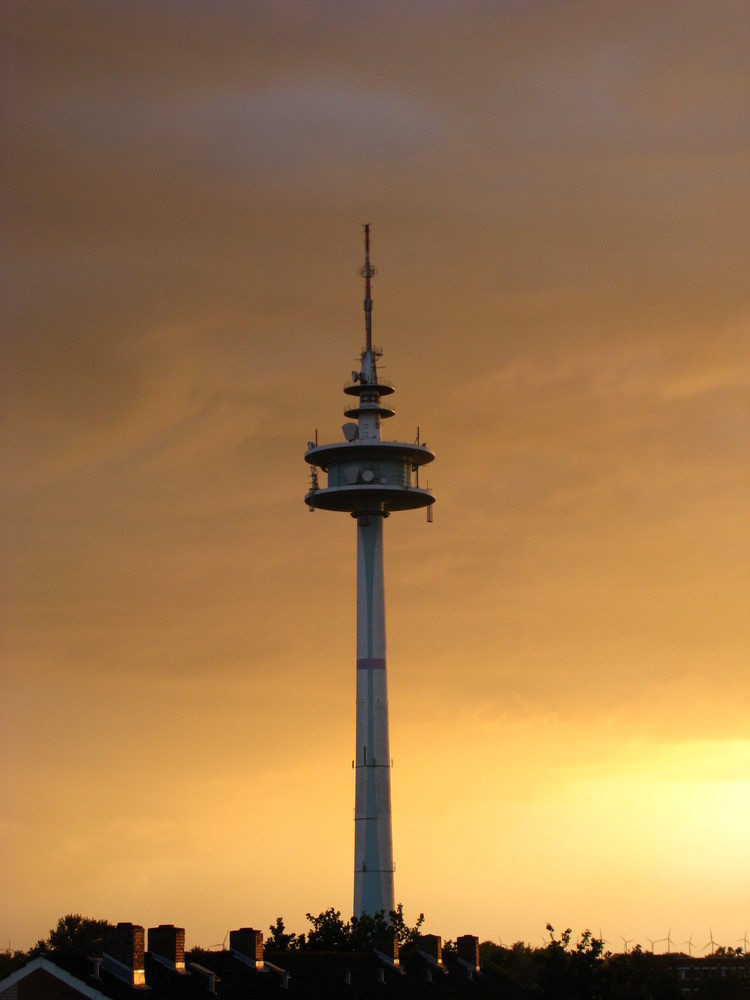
[[367, 271]]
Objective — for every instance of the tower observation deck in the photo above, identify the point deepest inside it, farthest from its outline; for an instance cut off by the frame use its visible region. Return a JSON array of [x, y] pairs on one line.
[[370, 478]]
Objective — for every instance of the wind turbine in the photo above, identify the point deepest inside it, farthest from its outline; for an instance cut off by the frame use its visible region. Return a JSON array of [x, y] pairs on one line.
[[626, 942], [744, 943], [711, 942], [222, 945], [690, 945], [668, 939]]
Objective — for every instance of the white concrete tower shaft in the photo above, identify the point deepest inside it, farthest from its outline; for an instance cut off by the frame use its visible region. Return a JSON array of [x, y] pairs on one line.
[[373, 840], [370, 478]]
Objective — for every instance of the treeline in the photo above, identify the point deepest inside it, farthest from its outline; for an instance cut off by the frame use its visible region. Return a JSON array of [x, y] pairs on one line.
[[330, 932], [560, 969], [567, 970], [73, 935]]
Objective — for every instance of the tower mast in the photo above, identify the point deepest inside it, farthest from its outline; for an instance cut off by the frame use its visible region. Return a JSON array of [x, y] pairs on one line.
[[367, 272], [370, 478]]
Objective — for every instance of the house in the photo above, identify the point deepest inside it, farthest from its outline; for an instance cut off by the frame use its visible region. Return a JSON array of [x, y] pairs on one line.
[[242, 972]]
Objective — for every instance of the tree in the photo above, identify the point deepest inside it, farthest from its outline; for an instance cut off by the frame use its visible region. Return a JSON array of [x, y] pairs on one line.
[[77, 935], [516, 965], [329, 932], [279, 940], [564, 941], [74, 935], [365, 929], [407, 937]]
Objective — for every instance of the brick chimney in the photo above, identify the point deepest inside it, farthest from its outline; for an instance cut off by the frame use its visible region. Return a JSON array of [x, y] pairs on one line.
[[385, 946], [124, 954], [431, 948], [467, 947], [431, 945], [246, 944], [166, 943]]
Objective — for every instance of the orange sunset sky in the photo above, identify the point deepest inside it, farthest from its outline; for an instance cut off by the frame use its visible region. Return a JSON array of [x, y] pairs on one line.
[[558, 194]]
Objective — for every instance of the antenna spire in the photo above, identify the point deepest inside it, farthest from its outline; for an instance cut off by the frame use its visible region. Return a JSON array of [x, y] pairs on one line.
[[367, 271]]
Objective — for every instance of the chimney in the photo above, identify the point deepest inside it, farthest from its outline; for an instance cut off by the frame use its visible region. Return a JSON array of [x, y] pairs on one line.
[[431, 947], [124, 954], [246, 944], [385, 947], [468, 952], [166, 943]]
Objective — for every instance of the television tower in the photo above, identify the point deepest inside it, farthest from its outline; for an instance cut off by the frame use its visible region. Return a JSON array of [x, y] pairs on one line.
[[370, 478]]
